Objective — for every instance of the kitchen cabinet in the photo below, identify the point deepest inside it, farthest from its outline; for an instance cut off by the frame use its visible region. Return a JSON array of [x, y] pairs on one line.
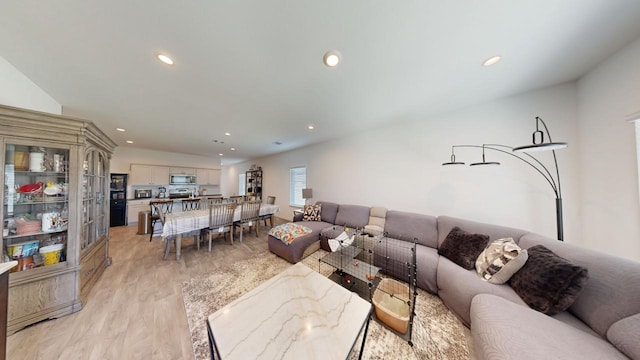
[[208, 176], [54, 211], [134, 207], [149, 174], [183, 171]]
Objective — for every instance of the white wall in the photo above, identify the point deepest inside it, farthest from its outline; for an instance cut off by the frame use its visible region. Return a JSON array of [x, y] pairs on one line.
[[18, 91], [611, 213], [399, 166]]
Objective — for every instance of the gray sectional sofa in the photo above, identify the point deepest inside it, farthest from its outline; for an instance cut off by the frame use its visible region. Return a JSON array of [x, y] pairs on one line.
[[602, 323]]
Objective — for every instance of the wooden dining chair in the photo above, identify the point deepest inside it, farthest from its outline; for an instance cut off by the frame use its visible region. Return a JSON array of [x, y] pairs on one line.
[[221, 221], [190, 204], [249, 216], [159, 208], [236, 198], [271, 200]]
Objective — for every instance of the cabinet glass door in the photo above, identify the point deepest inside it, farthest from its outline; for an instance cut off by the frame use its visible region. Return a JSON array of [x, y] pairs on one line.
[[94, 188], [36, 205]]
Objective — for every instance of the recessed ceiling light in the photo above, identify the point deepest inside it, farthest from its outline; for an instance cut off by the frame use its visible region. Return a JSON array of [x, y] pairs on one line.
[[121, 129], [221, 154], [492, 60], [331, 58], [228, 133], [310, 127], [129, 142], [233, 149], [165, 59]]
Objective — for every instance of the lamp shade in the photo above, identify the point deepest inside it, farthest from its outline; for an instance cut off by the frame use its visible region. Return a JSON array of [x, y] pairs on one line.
[[307, 193]]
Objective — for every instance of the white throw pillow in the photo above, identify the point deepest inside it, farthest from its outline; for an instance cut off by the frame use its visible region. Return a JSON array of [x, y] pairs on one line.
[[500, 260]]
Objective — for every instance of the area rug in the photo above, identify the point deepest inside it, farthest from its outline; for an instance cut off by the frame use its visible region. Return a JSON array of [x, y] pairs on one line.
[[437, 333]]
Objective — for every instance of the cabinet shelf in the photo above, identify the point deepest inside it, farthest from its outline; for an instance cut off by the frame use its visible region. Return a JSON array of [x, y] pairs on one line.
[[9, 237]]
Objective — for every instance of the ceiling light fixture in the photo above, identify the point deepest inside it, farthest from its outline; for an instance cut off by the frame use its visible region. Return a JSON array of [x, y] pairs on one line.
[[129, 142], [121, 129], [165, 59], [492, 60], [332, 58], [310, 127], [227, 134], [233, 149], [221, 154]]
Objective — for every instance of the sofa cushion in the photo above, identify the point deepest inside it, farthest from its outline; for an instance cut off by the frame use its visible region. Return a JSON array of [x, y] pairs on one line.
[[463, 248], [446, 223], [625, 335], [547, 282], [353, 216], [457, 287], [409, 226], [500, 260], [311, 212], [328, 212], [505, 330], [605, 298]]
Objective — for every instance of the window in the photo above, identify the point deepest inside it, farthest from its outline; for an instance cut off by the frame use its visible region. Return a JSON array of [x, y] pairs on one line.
[[297, 182], [241, 180]]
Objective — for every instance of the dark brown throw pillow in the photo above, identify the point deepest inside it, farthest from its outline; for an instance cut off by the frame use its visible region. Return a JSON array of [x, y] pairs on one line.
[[463, 248], [547, 282]]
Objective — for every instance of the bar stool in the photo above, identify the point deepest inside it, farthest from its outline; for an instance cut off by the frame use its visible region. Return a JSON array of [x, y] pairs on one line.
[[158, 208]]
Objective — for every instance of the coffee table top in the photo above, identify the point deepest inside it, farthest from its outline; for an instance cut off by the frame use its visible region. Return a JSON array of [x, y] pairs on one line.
[[296, 314]]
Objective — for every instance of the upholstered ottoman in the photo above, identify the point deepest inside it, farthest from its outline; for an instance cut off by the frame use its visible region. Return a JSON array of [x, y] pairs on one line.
[[301, 246]]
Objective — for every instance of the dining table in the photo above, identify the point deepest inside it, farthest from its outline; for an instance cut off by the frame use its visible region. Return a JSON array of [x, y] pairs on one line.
[[178, 224]]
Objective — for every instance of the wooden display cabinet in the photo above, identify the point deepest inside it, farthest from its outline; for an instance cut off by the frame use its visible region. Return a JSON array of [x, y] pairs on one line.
[[55, 184]]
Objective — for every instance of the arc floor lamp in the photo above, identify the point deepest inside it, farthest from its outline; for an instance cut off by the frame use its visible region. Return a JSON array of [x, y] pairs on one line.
[[538, 144]]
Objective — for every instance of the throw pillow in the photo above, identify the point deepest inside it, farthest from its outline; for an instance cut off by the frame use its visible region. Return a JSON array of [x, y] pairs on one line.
[[547, 282], [500, 260], [462, 247], [311, 212]]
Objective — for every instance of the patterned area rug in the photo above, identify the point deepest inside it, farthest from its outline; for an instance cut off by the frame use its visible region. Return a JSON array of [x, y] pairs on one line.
[[437, 333]]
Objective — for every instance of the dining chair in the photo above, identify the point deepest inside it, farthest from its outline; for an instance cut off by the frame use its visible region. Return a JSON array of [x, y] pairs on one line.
[[271, 200], [190, 204], [159, 208], [221, 220], [214, 200], [236, 198], [249, 216]]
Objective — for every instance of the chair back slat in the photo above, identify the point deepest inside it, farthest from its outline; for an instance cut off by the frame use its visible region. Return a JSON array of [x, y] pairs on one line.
[[161, 208], [250, 211], [221, 215]]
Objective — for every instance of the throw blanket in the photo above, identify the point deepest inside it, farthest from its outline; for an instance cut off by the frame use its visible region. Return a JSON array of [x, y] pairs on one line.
[[289, 232]]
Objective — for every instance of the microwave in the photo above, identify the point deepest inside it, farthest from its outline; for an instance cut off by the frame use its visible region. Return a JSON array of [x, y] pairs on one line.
[[182, 179], [142, 194]]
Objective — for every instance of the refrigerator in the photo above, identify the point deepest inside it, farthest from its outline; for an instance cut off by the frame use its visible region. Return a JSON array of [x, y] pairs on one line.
[[118, 200]]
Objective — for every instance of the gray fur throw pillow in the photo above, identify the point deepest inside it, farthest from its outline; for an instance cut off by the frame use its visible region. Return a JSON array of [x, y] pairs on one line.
[[547, 282], [462, 247]]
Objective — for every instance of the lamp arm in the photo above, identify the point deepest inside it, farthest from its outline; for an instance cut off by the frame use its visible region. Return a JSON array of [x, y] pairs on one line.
[[555, 160], [547, 176]]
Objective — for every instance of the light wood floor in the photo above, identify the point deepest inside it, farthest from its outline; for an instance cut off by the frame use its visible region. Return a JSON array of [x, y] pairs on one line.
[[135, 311]]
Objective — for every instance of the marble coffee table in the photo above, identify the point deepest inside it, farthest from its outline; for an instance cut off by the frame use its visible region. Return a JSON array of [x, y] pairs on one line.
[[297, 314]]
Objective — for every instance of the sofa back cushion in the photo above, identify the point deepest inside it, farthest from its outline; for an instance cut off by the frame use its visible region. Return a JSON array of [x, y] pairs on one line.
[[612, 291], [328, 211], [353, 216], [447, 223], [408, 226]]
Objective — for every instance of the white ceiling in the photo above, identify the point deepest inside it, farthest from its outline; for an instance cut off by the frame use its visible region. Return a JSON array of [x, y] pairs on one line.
[[254, 68]]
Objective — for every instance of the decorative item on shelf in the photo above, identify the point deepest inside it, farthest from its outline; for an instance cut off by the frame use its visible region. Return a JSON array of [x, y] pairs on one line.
[[539, 144], [36, 162], [21, 160], [307, 194]]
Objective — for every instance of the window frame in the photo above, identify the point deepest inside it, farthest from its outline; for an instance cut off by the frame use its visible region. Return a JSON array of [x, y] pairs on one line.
[[296, 186]]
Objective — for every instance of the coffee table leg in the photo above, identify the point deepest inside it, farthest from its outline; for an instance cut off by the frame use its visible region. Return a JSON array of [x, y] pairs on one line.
[[364, 336]]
